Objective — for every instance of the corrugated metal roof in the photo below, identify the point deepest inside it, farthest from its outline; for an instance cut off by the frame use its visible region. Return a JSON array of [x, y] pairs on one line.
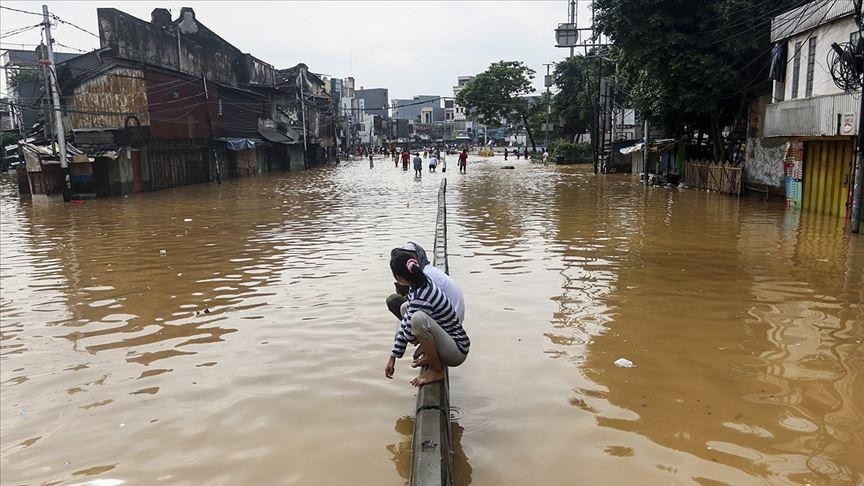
[[809, 16], [272, 135]]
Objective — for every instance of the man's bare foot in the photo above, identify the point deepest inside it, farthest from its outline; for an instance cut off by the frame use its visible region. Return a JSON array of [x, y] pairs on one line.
[[428, 377], [421, 361]]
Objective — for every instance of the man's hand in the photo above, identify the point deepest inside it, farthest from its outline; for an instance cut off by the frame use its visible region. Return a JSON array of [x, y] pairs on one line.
[[391, 367]]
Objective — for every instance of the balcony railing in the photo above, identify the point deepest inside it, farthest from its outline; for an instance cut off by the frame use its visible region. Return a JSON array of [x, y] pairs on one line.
[[816, 116]]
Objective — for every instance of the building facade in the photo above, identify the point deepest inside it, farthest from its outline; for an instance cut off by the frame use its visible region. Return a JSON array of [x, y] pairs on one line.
[[168, 103], [801, 138], [375, 101]]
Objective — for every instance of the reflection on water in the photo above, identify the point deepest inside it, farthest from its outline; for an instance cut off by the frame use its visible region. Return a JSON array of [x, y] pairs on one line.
[[235, 334], [400, 452]]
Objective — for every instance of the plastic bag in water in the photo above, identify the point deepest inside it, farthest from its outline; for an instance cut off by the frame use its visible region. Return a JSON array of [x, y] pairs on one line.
[[624, 363]]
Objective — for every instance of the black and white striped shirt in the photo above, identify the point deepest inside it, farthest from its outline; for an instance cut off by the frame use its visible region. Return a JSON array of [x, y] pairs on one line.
[[431, 300]]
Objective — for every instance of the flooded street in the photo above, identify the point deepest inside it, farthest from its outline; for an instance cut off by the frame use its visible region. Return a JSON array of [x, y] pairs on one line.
[[237, 334]]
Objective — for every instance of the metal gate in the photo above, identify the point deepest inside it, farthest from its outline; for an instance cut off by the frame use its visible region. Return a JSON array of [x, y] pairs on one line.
[[827, 176]]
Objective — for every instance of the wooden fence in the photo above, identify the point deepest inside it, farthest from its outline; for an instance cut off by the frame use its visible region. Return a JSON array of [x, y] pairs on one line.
[[712, 176]]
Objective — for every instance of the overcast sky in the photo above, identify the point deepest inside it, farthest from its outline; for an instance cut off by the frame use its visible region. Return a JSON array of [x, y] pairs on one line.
[[409, 47]]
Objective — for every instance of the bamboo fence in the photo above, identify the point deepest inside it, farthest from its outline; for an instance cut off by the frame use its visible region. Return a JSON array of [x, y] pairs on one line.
[[713, 176]]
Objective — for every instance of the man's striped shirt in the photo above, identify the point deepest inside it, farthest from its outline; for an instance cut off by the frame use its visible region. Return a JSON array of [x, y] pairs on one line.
[[431, 300]]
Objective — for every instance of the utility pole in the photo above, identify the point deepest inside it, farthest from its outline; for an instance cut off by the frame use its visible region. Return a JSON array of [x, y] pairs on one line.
[[43, 60], [598, 144], [210, 129], [572, 18], [301, 80], [548, 104], [55, 98], [645, 153], [858, 187]]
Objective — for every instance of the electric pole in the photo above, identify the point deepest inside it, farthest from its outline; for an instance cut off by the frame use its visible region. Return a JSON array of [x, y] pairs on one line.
[[858, 184], [55, 98], [572, 19], [548, 104]]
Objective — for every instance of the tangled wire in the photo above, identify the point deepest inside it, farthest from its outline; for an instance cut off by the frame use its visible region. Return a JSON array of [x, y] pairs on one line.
[[846, 64]]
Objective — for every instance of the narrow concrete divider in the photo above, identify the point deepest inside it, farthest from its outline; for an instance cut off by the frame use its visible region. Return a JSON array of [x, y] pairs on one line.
[[431, 451]]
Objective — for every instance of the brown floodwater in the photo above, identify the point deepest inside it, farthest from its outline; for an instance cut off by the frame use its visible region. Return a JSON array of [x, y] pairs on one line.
[[237, 334]]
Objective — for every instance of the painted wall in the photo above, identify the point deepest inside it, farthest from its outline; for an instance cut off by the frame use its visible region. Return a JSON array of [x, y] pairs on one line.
[[836, 31]]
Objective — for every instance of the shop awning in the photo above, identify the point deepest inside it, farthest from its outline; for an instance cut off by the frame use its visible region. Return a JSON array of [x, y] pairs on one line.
[[274, 136]]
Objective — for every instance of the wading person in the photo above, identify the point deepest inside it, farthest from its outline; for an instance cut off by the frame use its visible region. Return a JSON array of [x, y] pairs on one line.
[[428, 321], [405, 156], [371, 164], [418, 165], [442, 160], [545, 157], [505, 154], [526, 152], [463, 162], [433, 163]]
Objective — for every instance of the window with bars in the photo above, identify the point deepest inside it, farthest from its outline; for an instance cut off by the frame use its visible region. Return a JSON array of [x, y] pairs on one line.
[[796, 69], [811, 64]]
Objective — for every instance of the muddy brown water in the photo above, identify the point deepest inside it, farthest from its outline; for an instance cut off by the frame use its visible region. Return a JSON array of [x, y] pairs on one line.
[[237, 334]]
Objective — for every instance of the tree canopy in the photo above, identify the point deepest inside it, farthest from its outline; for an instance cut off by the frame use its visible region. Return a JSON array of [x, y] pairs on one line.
[[692, 63], [498, 94]]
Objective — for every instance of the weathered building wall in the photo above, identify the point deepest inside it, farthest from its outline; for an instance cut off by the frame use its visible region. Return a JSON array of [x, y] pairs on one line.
[[120, 90], [238, 113], [763, 165], [295, 157], [763, 157], [178, 163], [184, 45], [177, 107]]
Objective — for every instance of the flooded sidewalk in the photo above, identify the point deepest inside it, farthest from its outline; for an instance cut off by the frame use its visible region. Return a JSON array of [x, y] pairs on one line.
[[237, 334]]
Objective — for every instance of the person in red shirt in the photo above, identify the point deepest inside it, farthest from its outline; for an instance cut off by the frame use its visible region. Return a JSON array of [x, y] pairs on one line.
[[463, 161], [405, 157]]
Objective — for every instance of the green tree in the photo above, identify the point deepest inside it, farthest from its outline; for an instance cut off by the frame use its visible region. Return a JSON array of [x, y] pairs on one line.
[[692, 64], [498, 94], [575, 103]]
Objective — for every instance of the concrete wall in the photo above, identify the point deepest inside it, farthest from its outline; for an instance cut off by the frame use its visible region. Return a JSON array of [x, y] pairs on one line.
[[763, 164], [763, 157], [183, 45]]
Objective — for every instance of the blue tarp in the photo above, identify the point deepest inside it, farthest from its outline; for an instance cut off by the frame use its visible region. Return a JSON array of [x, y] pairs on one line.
[[240, 144]]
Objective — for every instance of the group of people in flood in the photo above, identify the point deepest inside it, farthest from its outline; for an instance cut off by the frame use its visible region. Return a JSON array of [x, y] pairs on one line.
[[430, 308], [433, 158]]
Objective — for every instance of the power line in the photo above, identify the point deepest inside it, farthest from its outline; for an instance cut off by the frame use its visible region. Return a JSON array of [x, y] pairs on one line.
[[82, 29], [19, 30], [22, 11]]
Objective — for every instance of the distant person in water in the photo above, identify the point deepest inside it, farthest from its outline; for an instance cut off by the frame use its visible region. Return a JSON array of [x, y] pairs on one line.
[[463, 162], [506, 152], [526, 152], [405, 157], [428, 320], [418, 165]]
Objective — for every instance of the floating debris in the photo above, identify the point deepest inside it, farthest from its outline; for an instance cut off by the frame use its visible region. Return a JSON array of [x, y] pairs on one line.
[[624, 363]]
